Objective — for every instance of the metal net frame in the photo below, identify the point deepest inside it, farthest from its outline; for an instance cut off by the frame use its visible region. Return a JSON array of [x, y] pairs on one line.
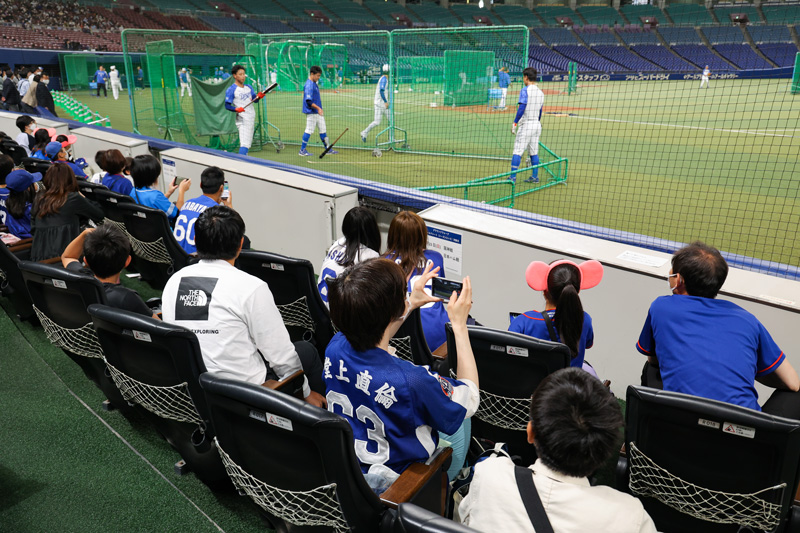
[[80, 341], [751, 510], [316, 507], [297, 314], [172, 402]]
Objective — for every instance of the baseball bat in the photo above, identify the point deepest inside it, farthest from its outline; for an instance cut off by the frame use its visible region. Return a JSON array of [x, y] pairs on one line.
[[328, 149]]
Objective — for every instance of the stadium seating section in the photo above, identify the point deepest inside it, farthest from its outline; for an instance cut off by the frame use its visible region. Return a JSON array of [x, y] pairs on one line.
[[687, 36]]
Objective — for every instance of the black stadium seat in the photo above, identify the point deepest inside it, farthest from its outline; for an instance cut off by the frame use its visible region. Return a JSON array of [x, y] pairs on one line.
[[11, 283], [414, 519]]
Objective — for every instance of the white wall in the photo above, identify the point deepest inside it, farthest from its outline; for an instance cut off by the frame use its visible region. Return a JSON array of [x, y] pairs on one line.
[[497, 251], [90, 141], [8, 124]]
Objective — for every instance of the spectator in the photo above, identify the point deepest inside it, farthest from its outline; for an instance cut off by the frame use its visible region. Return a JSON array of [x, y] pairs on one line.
[[26, 126], [563, 319], [233, 314], [406, 242], [43, 96], [145, 171], [29, 102], [575, 425], [22, 187], [106, 251], [713, 348], [361, 241], [67, 141], [25, 79], [408, 407], [114, 179], [212, 183], [56, 152], [11, 97], [6, 166], [100, 161], [59, 212], [41, 138]]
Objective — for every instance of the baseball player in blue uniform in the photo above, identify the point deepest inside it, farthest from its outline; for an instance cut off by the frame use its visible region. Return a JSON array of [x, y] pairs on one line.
[[183, 75], [503, 81], [381, 103], [312, 109], [237, 98]]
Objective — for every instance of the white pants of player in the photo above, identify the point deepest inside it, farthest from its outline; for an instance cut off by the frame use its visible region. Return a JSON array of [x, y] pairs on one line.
[[314, 120], [115, 87], [380, 111], [184, 87], [528, 133], [503, 98], [704, 81], [246, 124]]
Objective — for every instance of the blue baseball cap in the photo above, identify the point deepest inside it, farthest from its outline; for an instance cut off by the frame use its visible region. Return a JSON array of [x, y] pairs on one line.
[[20, 180], [53, 149]]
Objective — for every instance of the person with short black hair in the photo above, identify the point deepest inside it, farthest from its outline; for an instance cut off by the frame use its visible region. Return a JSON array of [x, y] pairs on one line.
[[703, 346], [114, 163], [576, 426], [100, 78], [212, 183], [241, 333], [239, 98], [41, 138], [528, 118], [43, 96], [10, 97], [145, 171], [26, 125], [401, 409], [100, 161], [312, 109], [106, 251]]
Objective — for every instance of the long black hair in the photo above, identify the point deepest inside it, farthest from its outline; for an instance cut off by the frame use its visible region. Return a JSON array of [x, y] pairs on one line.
[[359, 227], [18, 201], [563, 286]]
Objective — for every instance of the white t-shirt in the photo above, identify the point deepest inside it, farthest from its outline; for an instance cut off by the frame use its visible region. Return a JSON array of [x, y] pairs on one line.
[[234, 317], [331, 268], [114, 76], [22, 140]]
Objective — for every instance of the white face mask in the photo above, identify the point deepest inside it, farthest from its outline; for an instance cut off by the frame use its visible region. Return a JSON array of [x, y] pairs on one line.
[[46, 82]]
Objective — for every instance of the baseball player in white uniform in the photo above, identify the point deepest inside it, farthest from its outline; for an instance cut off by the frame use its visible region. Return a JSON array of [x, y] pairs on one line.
[[237, 98], [381, 103], [704, 78], [113, 76], [527, 126]]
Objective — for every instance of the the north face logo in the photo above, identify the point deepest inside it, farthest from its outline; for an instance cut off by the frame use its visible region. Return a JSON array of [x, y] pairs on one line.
[[194, 298]]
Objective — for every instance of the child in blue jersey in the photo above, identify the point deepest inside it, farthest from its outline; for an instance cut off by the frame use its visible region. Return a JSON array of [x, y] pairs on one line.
[[238, 98], [212, 183], [312, 109], [563, 319], [100, 78], [380, 103], [145, 171], [405, 245], [41, 138], [22, 187], [528, 118], [396, 409], [115, 180]]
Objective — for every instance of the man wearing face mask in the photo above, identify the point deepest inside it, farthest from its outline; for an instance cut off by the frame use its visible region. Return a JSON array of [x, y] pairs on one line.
[[43, 96], [713, 348]]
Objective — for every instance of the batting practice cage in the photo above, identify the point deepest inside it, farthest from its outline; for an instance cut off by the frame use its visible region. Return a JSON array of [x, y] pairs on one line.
[[78, 69], [635, 146]]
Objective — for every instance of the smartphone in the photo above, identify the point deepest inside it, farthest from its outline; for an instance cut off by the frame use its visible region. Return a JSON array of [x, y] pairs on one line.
[[178, 180], [443, 288], [226, 193]]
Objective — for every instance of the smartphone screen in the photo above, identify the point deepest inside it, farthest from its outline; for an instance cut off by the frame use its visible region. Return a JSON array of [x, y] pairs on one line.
[[178, 180], [225, 192], [443, 288]]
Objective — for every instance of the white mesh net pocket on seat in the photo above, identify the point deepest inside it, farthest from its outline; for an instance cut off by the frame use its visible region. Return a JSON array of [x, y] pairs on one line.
[[316, 507], [154, 252], [297, 314], [81, 341], [504, 412], [748, 510], [119, 225], [172, 402], [402, 348]]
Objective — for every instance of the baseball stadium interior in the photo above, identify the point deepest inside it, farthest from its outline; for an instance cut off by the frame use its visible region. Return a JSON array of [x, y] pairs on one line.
[[649, 150]]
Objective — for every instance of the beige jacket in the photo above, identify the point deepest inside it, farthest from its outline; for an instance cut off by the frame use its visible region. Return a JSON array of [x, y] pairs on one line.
[[30, 96]]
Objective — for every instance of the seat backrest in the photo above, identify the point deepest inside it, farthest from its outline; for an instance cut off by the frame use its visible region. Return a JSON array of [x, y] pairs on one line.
[[273, 443], [705, 457], [87, 188], [290, 280], [109, 200], [409, 341], [34, 164], [156, 253], [9, 265], [414, 519], [14, 151], [511, 366]]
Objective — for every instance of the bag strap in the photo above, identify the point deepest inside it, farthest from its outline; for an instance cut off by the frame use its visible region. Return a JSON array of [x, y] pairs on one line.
[[532, 501], [551, 329]]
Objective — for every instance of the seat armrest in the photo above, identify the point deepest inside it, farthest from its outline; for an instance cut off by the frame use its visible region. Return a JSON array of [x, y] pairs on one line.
[[416, 477], [21, 246], [440, 352], [292, 385], [51, 261]]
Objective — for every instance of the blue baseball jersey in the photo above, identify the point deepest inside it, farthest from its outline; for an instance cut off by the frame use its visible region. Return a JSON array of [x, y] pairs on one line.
[[184, 76], [709, 348], [532, 324], [20, 227], [118, 183], [184, 225], [394, 407], [100, 76], [380, 91], [236, 96], [4, 192], [311, 96], [503, 79], [225, 76], [78, 171], [153, 198]]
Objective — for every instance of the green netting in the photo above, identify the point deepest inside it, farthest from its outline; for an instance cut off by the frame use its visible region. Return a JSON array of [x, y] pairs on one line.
[[79, 68], [467, 76], [210, 115], [796, 75], [419, 74]]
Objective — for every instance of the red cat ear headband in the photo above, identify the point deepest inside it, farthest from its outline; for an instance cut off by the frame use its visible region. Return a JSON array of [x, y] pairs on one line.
[[537, 272]]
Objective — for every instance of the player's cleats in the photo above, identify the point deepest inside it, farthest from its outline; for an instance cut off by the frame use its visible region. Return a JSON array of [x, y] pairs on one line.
[[333, 152], [363, 138], [305, 153], [532, 179], [512, 179]]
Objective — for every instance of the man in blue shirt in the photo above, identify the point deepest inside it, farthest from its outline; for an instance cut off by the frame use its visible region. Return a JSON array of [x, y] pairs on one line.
[[380, 103], [183, 75], [140, 77], [101, 77], [503, 81], [713, 348], [312, 109], [212, 183]]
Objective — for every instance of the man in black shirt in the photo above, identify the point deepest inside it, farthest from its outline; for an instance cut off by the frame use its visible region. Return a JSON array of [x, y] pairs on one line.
[[43, 96], [10, 96], [106, 252]]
